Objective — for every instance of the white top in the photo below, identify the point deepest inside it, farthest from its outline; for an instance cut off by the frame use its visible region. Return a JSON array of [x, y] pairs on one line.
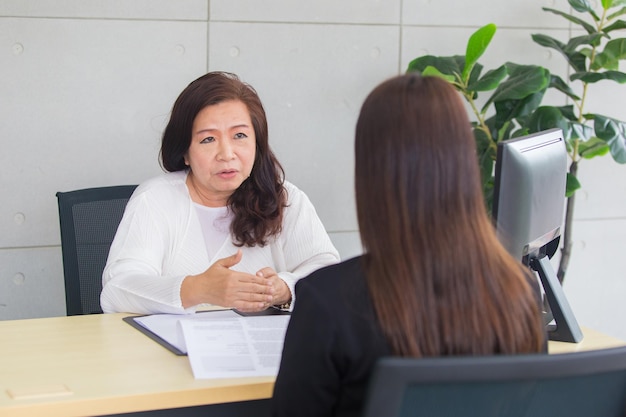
[[160, 241], [215, 223]]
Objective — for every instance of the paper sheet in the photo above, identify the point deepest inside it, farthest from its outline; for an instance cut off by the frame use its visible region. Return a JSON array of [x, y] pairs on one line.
[[233, 347], [166, 325]]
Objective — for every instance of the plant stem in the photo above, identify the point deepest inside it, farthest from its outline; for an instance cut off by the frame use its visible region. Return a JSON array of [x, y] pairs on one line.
[[566, 249], [481, 120]]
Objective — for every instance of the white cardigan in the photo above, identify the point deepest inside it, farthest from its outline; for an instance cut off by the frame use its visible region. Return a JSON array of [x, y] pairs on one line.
[[159, 242]]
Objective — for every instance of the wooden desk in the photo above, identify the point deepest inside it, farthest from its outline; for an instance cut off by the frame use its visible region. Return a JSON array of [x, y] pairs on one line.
[[592, 340], [97, 364], [107, 367]]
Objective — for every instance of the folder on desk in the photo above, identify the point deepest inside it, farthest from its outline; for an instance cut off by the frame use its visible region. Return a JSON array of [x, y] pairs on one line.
[[221, 344], [166, 330], [166, 338]]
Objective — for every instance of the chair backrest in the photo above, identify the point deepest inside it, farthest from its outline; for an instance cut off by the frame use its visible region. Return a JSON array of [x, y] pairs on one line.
[[589, 383], [89, 219]]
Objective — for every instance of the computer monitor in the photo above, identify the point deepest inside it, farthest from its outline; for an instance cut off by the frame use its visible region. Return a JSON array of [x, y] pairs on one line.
[[528, 209]]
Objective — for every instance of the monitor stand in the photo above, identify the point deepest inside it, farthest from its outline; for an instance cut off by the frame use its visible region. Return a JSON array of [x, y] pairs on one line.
[[567, 329]]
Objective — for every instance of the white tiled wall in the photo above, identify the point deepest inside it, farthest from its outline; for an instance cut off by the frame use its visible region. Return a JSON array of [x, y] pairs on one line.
[[455, 13], [302, 11], [86, 88], [312, 79]]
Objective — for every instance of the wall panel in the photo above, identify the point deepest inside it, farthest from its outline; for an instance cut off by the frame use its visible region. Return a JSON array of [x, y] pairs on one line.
[[31, 283], [84, 104], [312, 80], [460, 13], [110, 9], [596, 284], [320, 11]]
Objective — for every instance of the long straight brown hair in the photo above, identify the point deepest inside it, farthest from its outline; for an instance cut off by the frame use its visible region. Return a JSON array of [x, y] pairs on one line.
[[440, 281]]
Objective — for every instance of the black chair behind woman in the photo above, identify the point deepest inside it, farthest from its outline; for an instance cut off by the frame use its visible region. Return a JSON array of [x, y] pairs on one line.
[[88, 220]]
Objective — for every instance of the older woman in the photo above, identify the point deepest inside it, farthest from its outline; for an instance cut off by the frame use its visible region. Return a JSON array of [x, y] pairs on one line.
[[222, 226]]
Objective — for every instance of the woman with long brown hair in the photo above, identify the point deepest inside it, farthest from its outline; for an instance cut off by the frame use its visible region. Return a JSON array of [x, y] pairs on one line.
[[433, 279]]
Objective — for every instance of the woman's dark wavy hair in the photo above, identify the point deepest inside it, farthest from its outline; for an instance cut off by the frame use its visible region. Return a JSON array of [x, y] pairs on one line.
[[259, 202], [440, 281]]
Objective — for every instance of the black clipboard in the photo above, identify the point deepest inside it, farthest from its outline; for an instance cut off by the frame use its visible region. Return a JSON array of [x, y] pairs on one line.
[[131, 320]]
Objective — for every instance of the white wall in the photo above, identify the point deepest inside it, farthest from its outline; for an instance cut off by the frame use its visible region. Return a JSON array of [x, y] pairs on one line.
[[86, 87]]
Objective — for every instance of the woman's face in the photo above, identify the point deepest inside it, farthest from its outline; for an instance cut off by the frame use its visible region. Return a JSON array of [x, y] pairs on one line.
[[221, 153]]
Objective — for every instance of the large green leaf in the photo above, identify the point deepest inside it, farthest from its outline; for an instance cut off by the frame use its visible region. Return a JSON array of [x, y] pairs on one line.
[[490, 80], [603, 61], [576, 59], [476, 46], [614, 51], [523, 81], [568, 112], [451, 65], [605, 127], [618, 149], [507, 110], [607, 4], [612, 131], [581, 5], [548, 42], [588, 28], [592, 39], [547, 117], [434, 72], [558, 83], [475, 74], [616, 48], [584, 6], [581, 132], [519, 132], [499, 133], [617, 25], [618, 13], [592, 148], [594, 77]]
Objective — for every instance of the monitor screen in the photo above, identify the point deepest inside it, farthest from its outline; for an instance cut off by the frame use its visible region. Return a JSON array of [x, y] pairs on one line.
[[528, 210]]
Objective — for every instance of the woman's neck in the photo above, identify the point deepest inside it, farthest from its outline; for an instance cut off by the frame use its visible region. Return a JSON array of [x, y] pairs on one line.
[[202, 197]]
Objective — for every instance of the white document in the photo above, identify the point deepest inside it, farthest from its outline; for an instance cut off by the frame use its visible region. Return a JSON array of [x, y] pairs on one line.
[[166, 325], [233, 347]]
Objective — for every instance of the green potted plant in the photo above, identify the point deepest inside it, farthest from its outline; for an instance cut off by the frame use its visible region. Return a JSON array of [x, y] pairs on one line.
[[515, 92]]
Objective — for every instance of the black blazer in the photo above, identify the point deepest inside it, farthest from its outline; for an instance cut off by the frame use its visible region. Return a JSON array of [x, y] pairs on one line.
[[332, 343]]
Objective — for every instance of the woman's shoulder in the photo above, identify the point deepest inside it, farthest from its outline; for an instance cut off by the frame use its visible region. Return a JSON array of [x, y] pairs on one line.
[[338, 290], [342, 274], [293, 192], [163, 186], [166, 193], [168, 179], [298, 202]]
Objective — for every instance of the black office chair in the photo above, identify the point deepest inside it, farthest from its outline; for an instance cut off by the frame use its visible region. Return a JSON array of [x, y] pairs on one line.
[[581, 384], [89, 219]]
